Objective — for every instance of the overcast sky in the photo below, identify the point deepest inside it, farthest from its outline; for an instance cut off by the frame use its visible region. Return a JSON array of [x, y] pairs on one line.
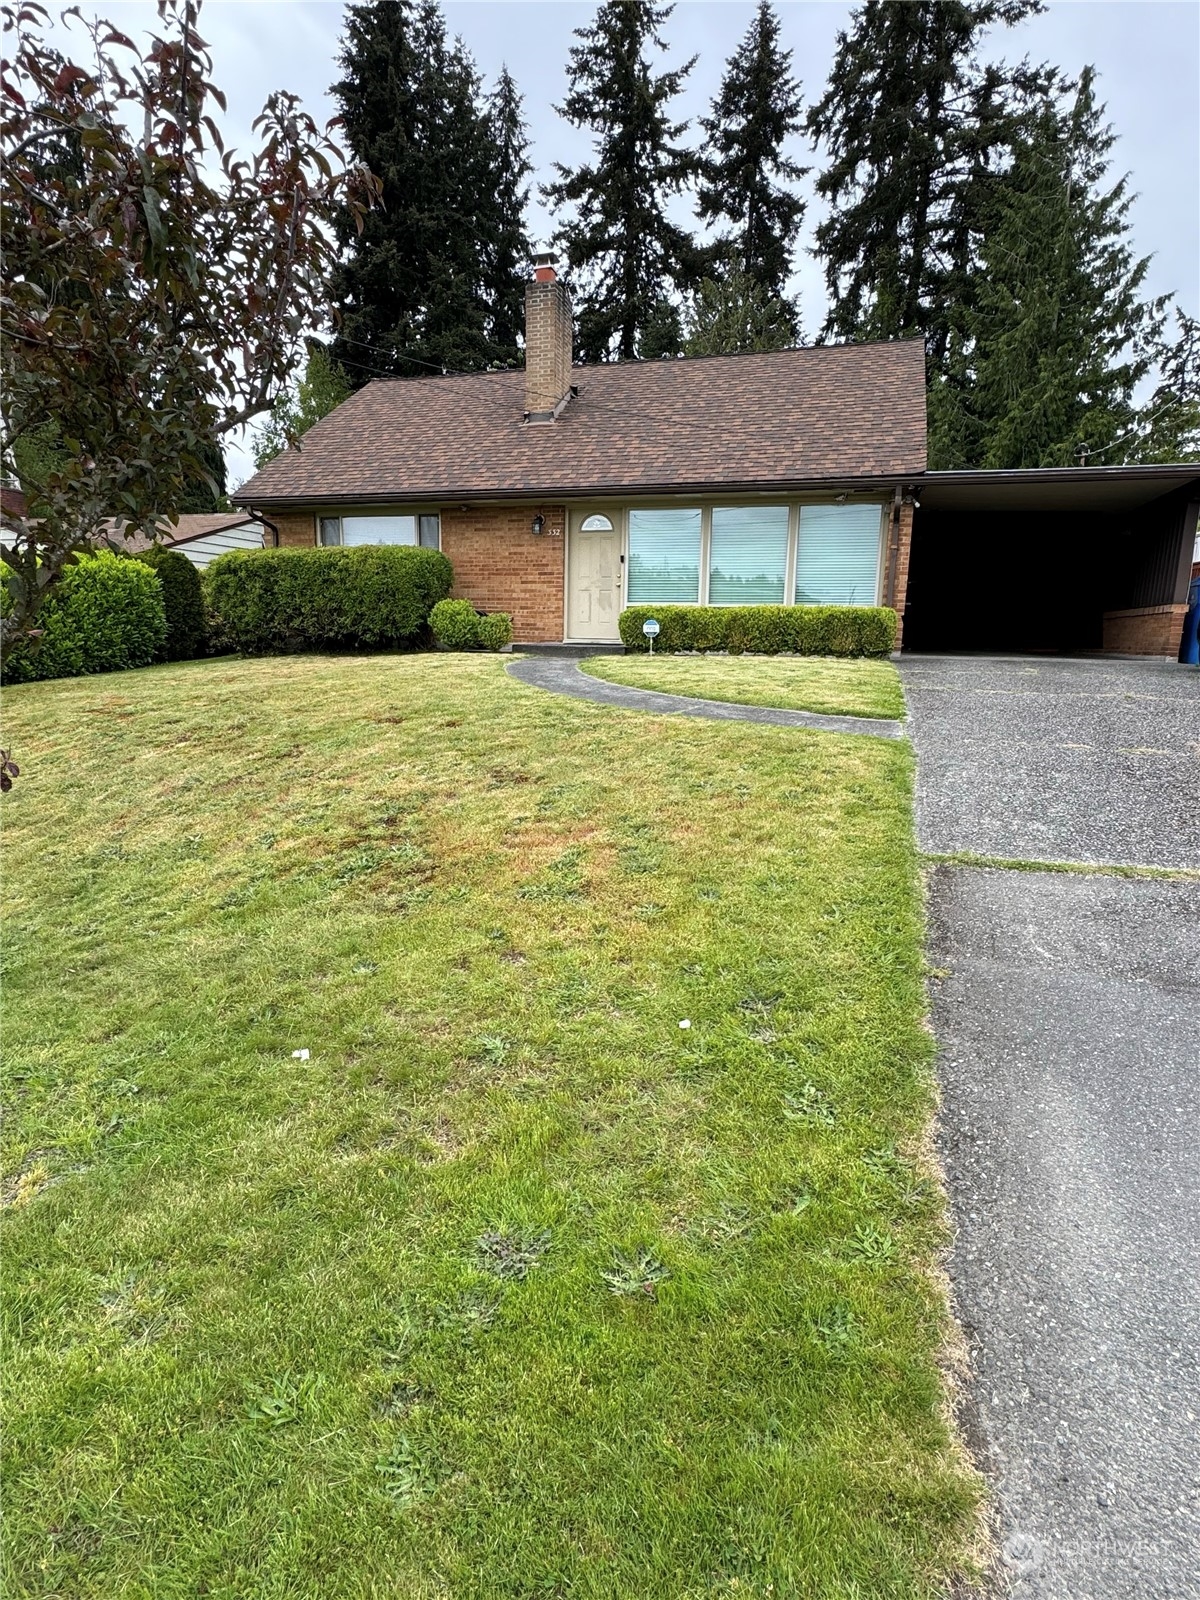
[[1147, 53]]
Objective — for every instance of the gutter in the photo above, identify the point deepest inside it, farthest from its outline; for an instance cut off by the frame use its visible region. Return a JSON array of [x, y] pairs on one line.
[[257, 516], [588, 491]]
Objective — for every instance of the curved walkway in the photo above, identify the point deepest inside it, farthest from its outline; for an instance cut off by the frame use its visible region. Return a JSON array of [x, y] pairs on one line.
[[561, 675]]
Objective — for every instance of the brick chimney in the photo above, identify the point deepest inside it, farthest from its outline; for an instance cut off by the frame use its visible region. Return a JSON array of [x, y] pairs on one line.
[[548, 337]]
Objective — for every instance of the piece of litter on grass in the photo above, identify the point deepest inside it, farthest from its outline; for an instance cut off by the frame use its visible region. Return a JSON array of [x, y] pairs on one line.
[[686, 1023], [299, 1055]]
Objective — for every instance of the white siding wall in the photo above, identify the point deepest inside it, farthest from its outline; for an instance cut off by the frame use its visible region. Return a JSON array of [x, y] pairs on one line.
[[245, 536]]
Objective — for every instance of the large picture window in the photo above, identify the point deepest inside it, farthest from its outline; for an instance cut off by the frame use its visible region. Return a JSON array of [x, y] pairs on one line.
[[748, 559], [420, 527], [837, 558], [664, 557]]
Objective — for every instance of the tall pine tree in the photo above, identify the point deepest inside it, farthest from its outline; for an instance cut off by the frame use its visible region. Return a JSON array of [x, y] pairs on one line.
[[1169, 422], [507, 252], [1057, 337], [425, 285], [747, 178], [628, 260], [910, 122]]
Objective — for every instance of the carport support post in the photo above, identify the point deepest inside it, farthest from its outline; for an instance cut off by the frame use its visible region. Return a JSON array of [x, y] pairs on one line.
[[893, 554]]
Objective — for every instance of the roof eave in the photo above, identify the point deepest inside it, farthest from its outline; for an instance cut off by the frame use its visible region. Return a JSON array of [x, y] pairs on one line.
[[586, 491]]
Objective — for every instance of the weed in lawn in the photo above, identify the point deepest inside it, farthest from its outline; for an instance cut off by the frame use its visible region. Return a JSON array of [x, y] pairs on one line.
[[402, 1399], [836, 1330], [493, 1050], [638, 1272], [283, 1401], [809, 1104], [509, 1255], [405, 1476], [730, 1225], [872, 1245]]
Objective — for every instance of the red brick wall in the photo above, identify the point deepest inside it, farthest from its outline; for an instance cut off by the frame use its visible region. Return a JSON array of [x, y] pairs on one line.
[[295, 527], [1145, 631], [500, 564], [902, 557]]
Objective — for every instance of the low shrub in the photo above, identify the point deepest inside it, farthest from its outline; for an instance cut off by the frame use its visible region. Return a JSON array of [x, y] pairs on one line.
[[457, 625], [765, 630], [368, 597], [183, 598], [495, 630], [106, 613]]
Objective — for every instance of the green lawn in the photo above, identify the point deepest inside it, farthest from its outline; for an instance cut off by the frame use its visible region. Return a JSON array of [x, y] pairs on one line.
[[832, 684], [515, 1287]]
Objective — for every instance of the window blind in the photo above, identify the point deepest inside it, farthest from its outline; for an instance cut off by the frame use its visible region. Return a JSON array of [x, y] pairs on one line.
[[837, 560], [664, 557], [379, 530], [749, 555]]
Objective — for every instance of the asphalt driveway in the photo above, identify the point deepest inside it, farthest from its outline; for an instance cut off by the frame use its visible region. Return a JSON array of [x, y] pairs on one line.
[[1057, 760], [1067, 1011]]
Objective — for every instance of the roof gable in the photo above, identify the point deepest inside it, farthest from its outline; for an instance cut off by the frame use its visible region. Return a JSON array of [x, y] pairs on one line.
[[830, 412]]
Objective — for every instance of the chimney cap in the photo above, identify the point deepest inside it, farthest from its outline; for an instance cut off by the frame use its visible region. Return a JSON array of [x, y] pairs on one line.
[[543, 267]]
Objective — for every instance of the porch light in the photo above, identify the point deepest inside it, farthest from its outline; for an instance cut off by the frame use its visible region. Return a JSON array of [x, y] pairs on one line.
[[538, 523]]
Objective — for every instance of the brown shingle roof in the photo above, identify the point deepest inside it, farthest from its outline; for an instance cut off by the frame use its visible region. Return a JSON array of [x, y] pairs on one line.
[[833, 412]]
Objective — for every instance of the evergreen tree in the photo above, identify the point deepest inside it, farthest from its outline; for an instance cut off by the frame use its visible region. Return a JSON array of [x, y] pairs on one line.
[[1057, 337], [1169, 422], [416, 288], [322, 388], [733, 313], [506, 260], [746, 175], [911, 123], [206, 491], [628, 260]]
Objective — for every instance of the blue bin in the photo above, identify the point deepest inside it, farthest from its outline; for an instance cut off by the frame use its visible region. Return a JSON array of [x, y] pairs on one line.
[[1190, 652]]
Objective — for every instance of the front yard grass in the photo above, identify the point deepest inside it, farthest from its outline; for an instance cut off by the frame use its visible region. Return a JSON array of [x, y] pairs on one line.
[[514, 1286], [835, 685]]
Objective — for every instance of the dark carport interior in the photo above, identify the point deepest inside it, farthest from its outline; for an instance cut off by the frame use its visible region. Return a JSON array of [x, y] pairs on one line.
[[1054, 560]]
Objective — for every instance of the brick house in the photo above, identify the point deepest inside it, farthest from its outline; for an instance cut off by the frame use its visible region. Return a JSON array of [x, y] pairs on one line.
[[562, 493]]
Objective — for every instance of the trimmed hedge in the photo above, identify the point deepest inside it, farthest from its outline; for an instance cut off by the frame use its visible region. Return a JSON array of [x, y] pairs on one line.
[[765, 630], [457, 625], [368, 597], [105, 614], [183, 598]]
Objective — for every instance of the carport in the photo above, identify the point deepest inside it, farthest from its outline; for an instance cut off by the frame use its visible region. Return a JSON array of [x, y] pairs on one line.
[[1056, 560]]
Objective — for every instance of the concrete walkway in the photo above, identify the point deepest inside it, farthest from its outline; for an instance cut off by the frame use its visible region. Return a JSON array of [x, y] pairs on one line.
[[561, 675], [1067, 1014]]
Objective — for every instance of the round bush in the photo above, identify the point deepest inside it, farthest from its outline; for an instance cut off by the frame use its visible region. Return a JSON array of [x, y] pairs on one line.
[[183, 598], [495, 630], [367, 597], [455, 624], [105, 614]]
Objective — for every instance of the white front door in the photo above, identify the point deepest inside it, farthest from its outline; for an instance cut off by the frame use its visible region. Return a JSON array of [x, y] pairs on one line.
[[593, 576]]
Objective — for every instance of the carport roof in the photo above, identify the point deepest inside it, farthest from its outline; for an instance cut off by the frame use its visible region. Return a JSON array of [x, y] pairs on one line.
[[1099, 489]]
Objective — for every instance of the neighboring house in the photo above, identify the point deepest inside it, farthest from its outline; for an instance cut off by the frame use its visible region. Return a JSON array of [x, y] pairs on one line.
[[202, 536], [563, 493]]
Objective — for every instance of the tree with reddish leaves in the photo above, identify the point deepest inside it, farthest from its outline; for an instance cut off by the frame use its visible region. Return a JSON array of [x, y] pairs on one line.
[[157, 287]]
